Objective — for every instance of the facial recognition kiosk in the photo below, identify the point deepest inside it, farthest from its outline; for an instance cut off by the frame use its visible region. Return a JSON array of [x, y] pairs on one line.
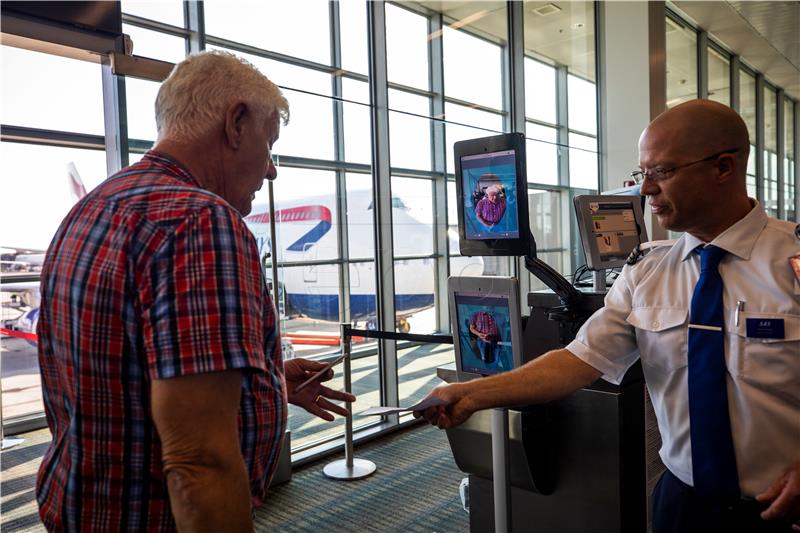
[[572, 465]]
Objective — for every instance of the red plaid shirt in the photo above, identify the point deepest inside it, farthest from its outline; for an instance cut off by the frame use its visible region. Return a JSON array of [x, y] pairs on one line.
[[148, 277]]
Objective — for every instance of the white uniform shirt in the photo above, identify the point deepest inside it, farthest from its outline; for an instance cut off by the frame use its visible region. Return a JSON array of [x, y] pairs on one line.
[[646, 315]]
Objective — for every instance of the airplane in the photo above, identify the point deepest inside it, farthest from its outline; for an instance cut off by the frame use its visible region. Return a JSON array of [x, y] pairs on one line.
[[306, 226]]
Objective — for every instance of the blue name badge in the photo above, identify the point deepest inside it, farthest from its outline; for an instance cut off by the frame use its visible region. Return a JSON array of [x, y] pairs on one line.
[[765, 328]]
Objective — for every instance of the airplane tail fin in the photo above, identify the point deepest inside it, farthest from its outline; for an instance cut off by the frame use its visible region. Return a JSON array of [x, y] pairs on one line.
[[75, 182]]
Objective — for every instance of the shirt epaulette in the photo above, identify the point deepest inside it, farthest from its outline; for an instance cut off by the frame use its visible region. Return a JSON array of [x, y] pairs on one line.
[[640, 249]]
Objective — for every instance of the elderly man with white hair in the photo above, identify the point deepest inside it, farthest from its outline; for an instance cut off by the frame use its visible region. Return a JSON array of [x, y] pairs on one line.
[[160, 357]]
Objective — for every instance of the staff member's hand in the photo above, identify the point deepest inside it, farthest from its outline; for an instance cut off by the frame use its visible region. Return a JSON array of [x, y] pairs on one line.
[[784, 497], [314, 397], [457, 410]]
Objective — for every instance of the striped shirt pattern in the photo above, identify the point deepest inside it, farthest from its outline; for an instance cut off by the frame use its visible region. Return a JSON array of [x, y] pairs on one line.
[[148, 277]]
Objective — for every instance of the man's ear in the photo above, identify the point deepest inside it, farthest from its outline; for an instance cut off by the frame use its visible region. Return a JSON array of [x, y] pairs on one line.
[[727, 167], [234, 124]]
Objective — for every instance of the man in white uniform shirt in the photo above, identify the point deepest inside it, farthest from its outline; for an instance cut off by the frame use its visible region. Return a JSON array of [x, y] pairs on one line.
[[693, 161]]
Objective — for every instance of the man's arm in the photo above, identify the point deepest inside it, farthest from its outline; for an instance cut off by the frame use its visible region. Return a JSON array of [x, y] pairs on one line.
[[551, 376], [197, 421]]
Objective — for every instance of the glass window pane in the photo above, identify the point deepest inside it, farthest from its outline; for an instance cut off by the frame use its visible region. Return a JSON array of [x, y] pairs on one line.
[[788, 160], [154, 44], [416, 369], [360, 216], [169, 11], [357, 122], [490, 124], [473, 64], [747, 101], [412, 216], [770, 151], [306, 211], [310, 129], [542, 154], [362, 310], [353, 23], [719, 77], [140, 97], [19, 311], [36, 86], [681, 63], [583, 162], [312, 43], [540, 91], [414, 295], [406, 47], [582, 104], [409, 135], [48, 184]]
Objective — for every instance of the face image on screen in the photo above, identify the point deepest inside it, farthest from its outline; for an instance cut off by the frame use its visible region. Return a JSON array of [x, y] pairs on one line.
[[490, 195], [614, 229], [484, 333]]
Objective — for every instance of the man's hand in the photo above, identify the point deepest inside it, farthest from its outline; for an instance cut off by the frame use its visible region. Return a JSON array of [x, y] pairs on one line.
[[784, 497], [314, 396], [457, 410]]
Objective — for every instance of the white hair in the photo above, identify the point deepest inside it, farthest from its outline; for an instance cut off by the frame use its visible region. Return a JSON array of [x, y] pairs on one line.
[[193, 100]]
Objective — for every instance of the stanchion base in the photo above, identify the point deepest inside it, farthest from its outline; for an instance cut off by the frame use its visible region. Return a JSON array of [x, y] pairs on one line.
[[339, 470]]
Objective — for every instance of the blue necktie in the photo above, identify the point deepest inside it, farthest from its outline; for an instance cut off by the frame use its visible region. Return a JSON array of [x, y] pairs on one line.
[[713, 459]]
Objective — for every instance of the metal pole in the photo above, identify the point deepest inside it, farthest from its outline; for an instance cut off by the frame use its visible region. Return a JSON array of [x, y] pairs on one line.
[[599, 281], [349, 467], [500, 472]]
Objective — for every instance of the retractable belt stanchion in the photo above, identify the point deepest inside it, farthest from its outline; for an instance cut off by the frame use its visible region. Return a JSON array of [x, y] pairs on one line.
[[500, 471], [349, 467]]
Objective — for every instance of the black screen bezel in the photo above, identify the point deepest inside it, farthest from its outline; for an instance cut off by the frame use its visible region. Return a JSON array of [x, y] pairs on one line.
[[498, 247]]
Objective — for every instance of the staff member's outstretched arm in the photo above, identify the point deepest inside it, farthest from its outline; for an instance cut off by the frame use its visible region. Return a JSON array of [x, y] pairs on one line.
[[553, 375], [197, 421]]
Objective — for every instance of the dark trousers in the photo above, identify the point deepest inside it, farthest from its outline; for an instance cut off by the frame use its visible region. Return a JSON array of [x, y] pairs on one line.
[[678, 509]]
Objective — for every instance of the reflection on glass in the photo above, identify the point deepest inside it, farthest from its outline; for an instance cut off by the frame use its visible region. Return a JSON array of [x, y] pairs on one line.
[[19, 309], [50, 92], [545, 217], [140, 98], [154, 44], [412, 216], [406, 47], [414, 295], [583, 162], [360, 216], [48, 184], [542, 154], [719, 77], [540, 91], [169, 11], [473, 62], [353, 23], [282, 19], [681, 63]]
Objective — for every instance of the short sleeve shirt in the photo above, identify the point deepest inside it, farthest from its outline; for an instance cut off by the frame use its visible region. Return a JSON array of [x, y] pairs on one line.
[[646, 315], [148, 277]]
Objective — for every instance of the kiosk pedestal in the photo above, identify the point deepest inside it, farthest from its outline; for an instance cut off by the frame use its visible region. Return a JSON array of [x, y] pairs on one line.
[[575, 465]]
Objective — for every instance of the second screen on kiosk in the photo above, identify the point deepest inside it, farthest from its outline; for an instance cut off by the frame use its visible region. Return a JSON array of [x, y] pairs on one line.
[[490, 195]]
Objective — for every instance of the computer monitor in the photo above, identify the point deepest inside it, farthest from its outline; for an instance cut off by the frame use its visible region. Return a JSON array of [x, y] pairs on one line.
[[610, 227], [491, 191], [486, 323]]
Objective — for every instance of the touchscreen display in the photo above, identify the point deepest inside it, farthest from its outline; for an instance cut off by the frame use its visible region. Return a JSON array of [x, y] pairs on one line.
[[484, 333], [490, 199], [614, 229]]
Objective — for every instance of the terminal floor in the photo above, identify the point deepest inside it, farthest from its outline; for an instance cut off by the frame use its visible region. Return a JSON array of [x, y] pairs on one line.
[[415, 489]]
